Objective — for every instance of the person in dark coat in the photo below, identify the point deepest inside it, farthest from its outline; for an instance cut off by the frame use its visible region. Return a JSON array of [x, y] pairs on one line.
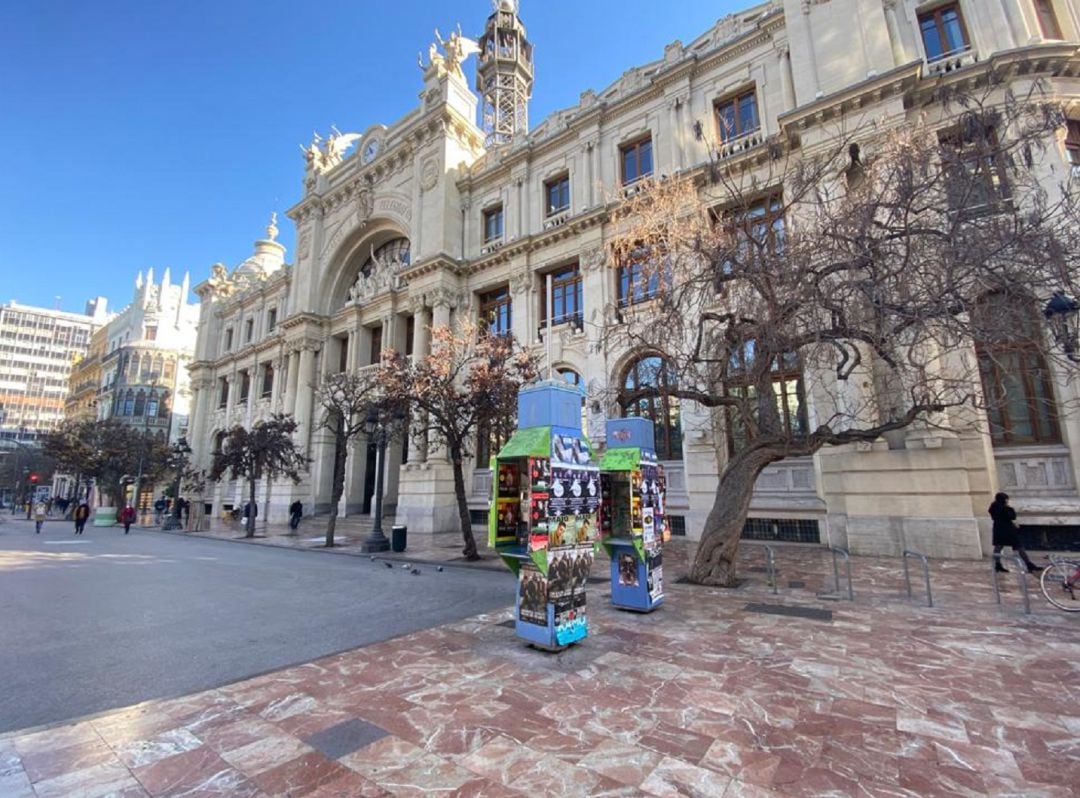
[[1006, 533], [296, 510], [127, 518], [82, 512]]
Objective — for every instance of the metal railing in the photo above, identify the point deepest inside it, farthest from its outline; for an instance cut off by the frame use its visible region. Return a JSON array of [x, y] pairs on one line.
[[1021, 577], [908, 554], [836, 571]]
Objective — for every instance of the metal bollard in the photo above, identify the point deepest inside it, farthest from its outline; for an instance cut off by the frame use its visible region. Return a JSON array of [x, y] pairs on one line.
[[926, 574], [770, 564]]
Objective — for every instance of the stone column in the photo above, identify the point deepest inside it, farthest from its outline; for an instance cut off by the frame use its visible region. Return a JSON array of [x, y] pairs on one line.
[[1018, 24], [292, 367], [305, 389], [592, 150], [811, 53], [896, 40], [277, 391], [674, 133], [787, 84]]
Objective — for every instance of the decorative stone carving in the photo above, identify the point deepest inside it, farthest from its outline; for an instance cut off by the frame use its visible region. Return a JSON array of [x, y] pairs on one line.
[[385, 275], [455, 50], [429, 174], [521, 281], [323, 158], [219, 280], [592, 259], [365, 204], [303, 246]]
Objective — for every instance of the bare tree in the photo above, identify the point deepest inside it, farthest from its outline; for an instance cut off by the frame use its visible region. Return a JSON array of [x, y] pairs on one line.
[[350, 402], [830, 295], [265, 450], [469, 382]]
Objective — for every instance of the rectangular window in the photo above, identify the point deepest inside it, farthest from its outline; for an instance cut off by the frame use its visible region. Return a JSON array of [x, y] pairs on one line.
[[738, 115], [943, 31], [493, 224], [245, 385], [1072, 146], [756, 232], [495, 311], [1048, 22], [566, 296], [267, 380], [557, 195], [976, 181], [376, 345], [410, 333], [151, 334], [223, 392], [787, 383], [343, 354], [636, 159], [249, 330], [228, 340], [639, 277], [271, 319]]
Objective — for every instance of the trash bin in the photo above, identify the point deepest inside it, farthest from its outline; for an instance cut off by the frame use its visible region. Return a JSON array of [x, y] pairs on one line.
[[398, 538]]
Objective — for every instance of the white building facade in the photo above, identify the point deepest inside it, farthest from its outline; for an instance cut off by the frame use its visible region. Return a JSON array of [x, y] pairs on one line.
[[458, 211]]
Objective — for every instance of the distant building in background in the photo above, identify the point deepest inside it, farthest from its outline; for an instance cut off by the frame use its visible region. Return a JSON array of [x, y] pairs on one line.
[[38, 347], [135, 368]]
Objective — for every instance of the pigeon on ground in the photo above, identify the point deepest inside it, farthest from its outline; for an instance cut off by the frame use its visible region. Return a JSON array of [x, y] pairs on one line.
[[415, 571], [439, 568], [388, 565]]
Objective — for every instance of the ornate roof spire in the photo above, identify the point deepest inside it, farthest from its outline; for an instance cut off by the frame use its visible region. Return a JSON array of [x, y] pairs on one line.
[[272, 229]]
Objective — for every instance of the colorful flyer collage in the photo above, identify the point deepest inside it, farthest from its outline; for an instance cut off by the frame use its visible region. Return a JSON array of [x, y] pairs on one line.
[[568, 571], [534, 595]]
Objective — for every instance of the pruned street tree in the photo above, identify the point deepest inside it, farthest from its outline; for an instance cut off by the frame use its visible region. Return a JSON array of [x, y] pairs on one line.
[[350, 404], [109, 452], [267, 450], [841, 292], [468, 383]]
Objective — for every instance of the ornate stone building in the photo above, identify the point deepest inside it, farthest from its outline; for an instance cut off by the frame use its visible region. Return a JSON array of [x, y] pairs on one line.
[[458, 210]]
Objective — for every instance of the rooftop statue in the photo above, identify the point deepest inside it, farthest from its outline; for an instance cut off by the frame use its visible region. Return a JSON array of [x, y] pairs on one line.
[[326, 157], [456, 48]]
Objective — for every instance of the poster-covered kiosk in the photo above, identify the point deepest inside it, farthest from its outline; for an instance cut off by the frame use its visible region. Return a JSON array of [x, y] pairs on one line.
[[543, 518], [632, 514]]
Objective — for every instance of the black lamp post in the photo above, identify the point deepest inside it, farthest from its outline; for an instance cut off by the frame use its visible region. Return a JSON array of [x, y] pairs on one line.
[[378, 434], [1062, 314]]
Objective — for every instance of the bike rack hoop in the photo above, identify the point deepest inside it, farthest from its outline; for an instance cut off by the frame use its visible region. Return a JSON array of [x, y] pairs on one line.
[[909, 554], [847, 567]]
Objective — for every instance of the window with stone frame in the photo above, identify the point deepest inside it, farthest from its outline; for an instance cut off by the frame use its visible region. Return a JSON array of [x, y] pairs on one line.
[[151, 333], [1072, 146], [267, 380], [737, 115], [376, 344], [639, 276], [646, 393], [493, 224], [976, 180], [271, 319], [1048, 21], [786, 374], [756, 231], [495, 306], [557, 195], [223, 392], [943, 31], [1017, 385], [249, 330], [636, 160], [566, 296], [245, 385], [228, 340]]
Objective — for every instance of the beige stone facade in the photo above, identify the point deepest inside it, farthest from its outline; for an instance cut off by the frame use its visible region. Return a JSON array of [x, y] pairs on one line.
[[423, 224]]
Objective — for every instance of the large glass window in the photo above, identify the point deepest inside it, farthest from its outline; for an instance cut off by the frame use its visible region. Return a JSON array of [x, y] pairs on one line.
[[637, 160], [1016, 382], [943, 31], [738, 115], [495, 311], [493, 224], [639, 276], [557, 195], [757, 231], [976, 180], [790, 393], [653, 378], [566, 296]]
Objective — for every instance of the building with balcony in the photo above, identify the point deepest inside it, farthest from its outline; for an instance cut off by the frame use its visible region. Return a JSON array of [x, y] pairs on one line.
[[460, 210]]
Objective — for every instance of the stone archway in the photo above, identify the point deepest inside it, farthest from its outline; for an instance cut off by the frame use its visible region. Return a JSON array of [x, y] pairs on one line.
[[350, 257]]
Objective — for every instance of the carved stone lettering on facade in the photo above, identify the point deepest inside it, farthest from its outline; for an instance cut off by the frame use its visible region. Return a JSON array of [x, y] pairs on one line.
[[393, 206]]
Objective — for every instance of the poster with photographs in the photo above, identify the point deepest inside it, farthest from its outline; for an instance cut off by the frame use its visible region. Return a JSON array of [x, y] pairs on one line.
[[568, 571], [569, 450], [628, 570], [534, 595], [655, 569]]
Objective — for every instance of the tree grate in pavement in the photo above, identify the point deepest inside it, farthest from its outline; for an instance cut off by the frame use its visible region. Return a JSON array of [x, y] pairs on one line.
[[791, 612]]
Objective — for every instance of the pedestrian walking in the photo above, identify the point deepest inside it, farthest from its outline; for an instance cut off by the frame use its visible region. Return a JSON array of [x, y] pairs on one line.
[[1007, 533], [296, 510], [127, 518], [251, 512], [160, 506], [82, 512], [39, 516], [185, 509]]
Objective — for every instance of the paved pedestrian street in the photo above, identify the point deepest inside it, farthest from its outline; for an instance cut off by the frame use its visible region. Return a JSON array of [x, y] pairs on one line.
[[714, 694]]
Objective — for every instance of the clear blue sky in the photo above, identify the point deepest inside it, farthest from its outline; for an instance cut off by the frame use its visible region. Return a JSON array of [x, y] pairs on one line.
[[153, 133]]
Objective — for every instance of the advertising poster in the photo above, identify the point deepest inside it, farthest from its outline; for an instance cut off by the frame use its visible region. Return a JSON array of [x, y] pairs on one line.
[[570, 450], [628, 570], [534, 595], [655, 570], [568, 570]]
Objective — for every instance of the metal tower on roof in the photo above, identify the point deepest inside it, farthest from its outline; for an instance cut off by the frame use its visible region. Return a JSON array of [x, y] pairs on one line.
[[504, 76]]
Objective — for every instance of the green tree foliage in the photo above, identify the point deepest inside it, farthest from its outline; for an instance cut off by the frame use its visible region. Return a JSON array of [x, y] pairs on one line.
[[266, 450]]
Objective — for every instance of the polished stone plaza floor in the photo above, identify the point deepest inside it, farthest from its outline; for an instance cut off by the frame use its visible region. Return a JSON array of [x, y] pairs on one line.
[[715, 694]]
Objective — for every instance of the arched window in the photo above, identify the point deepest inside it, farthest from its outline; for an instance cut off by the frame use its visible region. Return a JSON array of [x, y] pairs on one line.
[[129, 403], [140, 403], [152, 405], [1016, 382], [395, 251], [651, 375]]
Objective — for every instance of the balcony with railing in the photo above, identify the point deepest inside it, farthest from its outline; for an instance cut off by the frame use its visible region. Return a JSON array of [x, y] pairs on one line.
[[950, 62]]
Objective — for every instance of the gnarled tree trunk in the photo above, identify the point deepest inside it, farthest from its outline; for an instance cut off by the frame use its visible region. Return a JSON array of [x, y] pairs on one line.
[[714, 563], [463, 505]]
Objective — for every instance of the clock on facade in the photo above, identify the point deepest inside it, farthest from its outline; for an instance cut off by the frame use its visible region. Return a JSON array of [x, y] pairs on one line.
[[371, 149]]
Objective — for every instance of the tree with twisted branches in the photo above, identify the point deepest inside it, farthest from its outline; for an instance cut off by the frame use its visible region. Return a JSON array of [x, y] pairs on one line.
[[880, 266]]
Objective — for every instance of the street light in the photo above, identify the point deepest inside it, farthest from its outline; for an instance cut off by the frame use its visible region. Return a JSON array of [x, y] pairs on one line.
[[1062, 314], [379, 432]]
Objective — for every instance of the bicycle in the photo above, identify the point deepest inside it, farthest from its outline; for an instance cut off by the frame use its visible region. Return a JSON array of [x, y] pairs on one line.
[[1060, 583]]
